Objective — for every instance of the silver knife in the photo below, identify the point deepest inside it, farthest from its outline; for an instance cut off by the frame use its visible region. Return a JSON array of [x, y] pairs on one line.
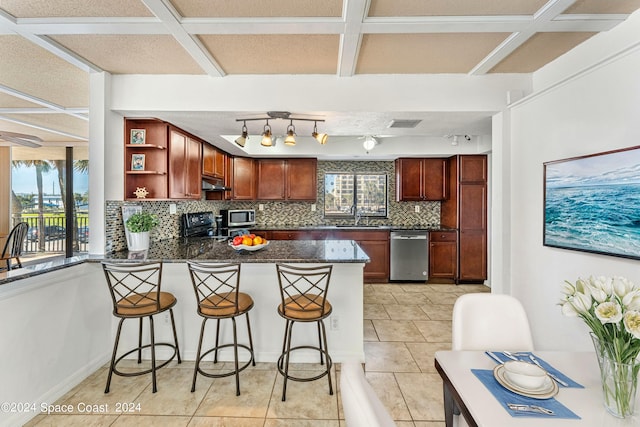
[[555, 378], [494, 357]]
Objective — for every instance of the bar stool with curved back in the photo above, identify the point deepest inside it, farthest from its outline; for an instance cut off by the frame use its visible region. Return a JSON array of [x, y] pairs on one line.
[[304, 299], [14, 245], [217, 288], [135, 291]]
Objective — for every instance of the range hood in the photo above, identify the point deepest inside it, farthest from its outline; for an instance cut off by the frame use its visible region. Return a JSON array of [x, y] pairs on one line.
[[214, 185]]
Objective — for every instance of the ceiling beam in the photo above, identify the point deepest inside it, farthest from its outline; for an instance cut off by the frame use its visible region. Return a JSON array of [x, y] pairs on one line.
[[546, 14], [169, 17], [44, 128], [9, 22], [353, 14], [46, 104]]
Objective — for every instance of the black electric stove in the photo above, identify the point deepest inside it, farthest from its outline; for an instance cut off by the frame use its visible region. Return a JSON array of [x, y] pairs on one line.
[[198, 224]]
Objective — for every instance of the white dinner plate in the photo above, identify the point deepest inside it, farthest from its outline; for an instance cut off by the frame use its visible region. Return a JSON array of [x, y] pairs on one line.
[[249, 248], [546, 391]]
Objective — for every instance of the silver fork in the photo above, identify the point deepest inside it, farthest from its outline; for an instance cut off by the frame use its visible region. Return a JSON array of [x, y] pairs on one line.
[[530, 408]]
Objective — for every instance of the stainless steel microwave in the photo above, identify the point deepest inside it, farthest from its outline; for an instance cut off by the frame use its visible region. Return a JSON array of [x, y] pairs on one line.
[[238, 217]]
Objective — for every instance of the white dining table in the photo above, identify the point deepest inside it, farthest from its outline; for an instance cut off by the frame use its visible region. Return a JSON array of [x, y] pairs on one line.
[[480, 408]]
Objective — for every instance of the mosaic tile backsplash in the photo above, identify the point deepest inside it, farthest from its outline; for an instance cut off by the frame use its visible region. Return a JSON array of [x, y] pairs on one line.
[[275, 213]]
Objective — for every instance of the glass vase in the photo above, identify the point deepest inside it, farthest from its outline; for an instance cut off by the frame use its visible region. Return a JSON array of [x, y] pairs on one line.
[[619, 380]]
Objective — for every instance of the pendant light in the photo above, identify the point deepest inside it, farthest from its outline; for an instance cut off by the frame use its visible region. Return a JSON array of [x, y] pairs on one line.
[[320, 137], [291, 135], [242, 139], [267, 141]]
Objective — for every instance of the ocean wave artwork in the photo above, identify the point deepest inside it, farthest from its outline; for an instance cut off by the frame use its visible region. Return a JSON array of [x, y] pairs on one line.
[[592, 203]]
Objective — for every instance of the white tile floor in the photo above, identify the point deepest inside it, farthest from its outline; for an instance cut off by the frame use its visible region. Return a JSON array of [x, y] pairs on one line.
[[405, 324]]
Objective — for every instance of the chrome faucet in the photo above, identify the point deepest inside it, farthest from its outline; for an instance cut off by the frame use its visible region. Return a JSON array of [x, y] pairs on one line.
[[358, 215]]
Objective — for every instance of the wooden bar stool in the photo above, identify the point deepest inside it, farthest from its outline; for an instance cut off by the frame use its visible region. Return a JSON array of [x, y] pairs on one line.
[[304, 299], [135, 291], [217, 288]]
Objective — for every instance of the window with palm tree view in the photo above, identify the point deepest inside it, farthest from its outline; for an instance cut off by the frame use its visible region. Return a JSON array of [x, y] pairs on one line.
[[355, 195], [52, 201]]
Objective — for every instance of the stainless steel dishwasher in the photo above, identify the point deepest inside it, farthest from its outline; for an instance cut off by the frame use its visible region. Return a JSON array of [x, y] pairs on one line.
[[409, 255]]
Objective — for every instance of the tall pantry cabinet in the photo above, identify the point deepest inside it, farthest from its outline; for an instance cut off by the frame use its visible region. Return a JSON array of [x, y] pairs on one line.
[[466, 210]]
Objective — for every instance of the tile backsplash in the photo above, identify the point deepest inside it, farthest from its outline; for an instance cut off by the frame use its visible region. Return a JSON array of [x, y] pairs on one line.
[[274, 213]]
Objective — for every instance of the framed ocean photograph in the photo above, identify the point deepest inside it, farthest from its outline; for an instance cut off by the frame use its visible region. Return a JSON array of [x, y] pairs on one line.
[[592, 203]]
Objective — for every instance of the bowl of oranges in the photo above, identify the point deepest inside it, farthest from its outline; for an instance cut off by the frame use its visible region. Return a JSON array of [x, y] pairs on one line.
[[248, 242]]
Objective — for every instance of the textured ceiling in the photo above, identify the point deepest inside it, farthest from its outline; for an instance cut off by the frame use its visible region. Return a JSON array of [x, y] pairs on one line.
[[48, 47]]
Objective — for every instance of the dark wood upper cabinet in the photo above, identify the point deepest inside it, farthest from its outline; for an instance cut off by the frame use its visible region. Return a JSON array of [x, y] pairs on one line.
[[185, 159], [286, 179], [271, 179], [213, 161], [421, 179], [302, 178], [243, 185]]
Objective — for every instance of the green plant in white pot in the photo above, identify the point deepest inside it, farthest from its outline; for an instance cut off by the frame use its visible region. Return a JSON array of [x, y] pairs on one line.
[[139, 226]]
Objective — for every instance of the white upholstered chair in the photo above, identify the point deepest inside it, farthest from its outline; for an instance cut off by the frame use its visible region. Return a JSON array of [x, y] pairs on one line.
[[361, 405], [485, 321]]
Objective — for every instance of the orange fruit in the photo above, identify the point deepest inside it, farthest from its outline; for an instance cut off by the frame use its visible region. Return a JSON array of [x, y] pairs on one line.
[[257, 240], [247, 241]]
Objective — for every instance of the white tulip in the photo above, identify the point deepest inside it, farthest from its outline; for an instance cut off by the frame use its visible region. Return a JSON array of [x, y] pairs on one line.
[[609, 312], [632, 322], [569, 310]]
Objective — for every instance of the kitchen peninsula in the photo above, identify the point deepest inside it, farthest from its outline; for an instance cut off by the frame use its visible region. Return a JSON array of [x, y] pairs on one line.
[[66, 326], [258, 278]]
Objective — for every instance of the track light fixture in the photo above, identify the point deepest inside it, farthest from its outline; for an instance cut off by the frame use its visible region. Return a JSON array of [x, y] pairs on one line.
[[242, 139], [267, 141], [291, 134], [290, 138], [320, 137]]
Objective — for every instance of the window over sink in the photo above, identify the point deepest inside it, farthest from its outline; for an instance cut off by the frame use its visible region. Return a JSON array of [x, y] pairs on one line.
[[351, 195]]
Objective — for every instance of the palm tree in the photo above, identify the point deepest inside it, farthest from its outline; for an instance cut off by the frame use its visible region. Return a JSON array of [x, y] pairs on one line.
[[80, 166], [41, 166]]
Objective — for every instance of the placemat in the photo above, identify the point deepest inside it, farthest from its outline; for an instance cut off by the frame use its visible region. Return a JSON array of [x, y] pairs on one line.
[[505, 396], [524, 356]]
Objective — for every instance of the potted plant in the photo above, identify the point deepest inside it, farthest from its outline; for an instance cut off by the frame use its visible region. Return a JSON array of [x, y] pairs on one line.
[[139, 226]]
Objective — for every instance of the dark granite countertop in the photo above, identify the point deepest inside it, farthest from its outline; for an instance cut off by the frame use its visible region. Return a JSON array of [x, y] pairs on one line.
[[359, 227], [212, 249]]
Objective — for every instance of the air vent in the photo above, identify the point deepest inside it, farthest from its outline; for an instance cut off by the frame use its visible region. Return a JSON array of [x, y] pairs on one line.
[[404, 124]]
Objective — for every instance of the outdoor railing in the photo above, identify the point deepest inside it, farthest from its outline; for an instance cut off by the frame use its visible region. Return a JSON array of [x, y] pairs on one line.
[[54, 239]]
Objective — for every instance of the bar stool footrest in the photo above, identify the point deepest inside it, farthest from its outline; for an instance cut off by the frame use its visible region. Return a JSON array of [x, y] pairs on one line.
[[328, 363], [146, 371], [228, 373]]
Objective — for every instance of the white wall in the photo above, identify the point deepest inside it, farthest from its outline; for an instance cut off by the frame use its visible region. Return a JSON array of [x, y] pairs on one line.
[[588, 110], [55, 332]]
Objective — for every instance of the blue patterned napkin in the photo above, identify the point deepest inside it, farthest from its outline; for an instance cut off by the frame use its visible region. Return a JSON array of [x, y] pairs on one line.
[[505, 396], [524, 356]]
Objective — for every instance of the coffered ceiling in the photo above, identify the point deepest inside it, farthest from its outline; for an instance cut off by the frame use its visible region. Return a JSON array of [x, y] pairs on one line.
[[49, 47]]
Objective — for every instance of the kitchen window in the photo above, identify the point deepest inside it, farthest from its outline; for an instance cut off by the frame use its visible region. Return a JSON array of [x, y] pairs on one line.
[[348, 195]]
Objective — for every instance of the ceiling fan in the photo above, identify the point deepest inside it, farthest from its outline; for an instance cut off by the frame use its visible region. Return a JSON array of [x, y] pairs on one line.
[[21, 139]]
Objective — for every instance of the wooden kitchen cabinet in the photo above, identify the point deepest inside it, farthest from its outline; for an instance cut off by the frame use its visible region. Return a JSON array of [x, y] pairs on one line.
[[271, 179], [443, 255], [185, 158], [153, 174], [421, 179], [375, 243], [243, 184], [213, 161], [466, 210], [302, 178], [286, 179]]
